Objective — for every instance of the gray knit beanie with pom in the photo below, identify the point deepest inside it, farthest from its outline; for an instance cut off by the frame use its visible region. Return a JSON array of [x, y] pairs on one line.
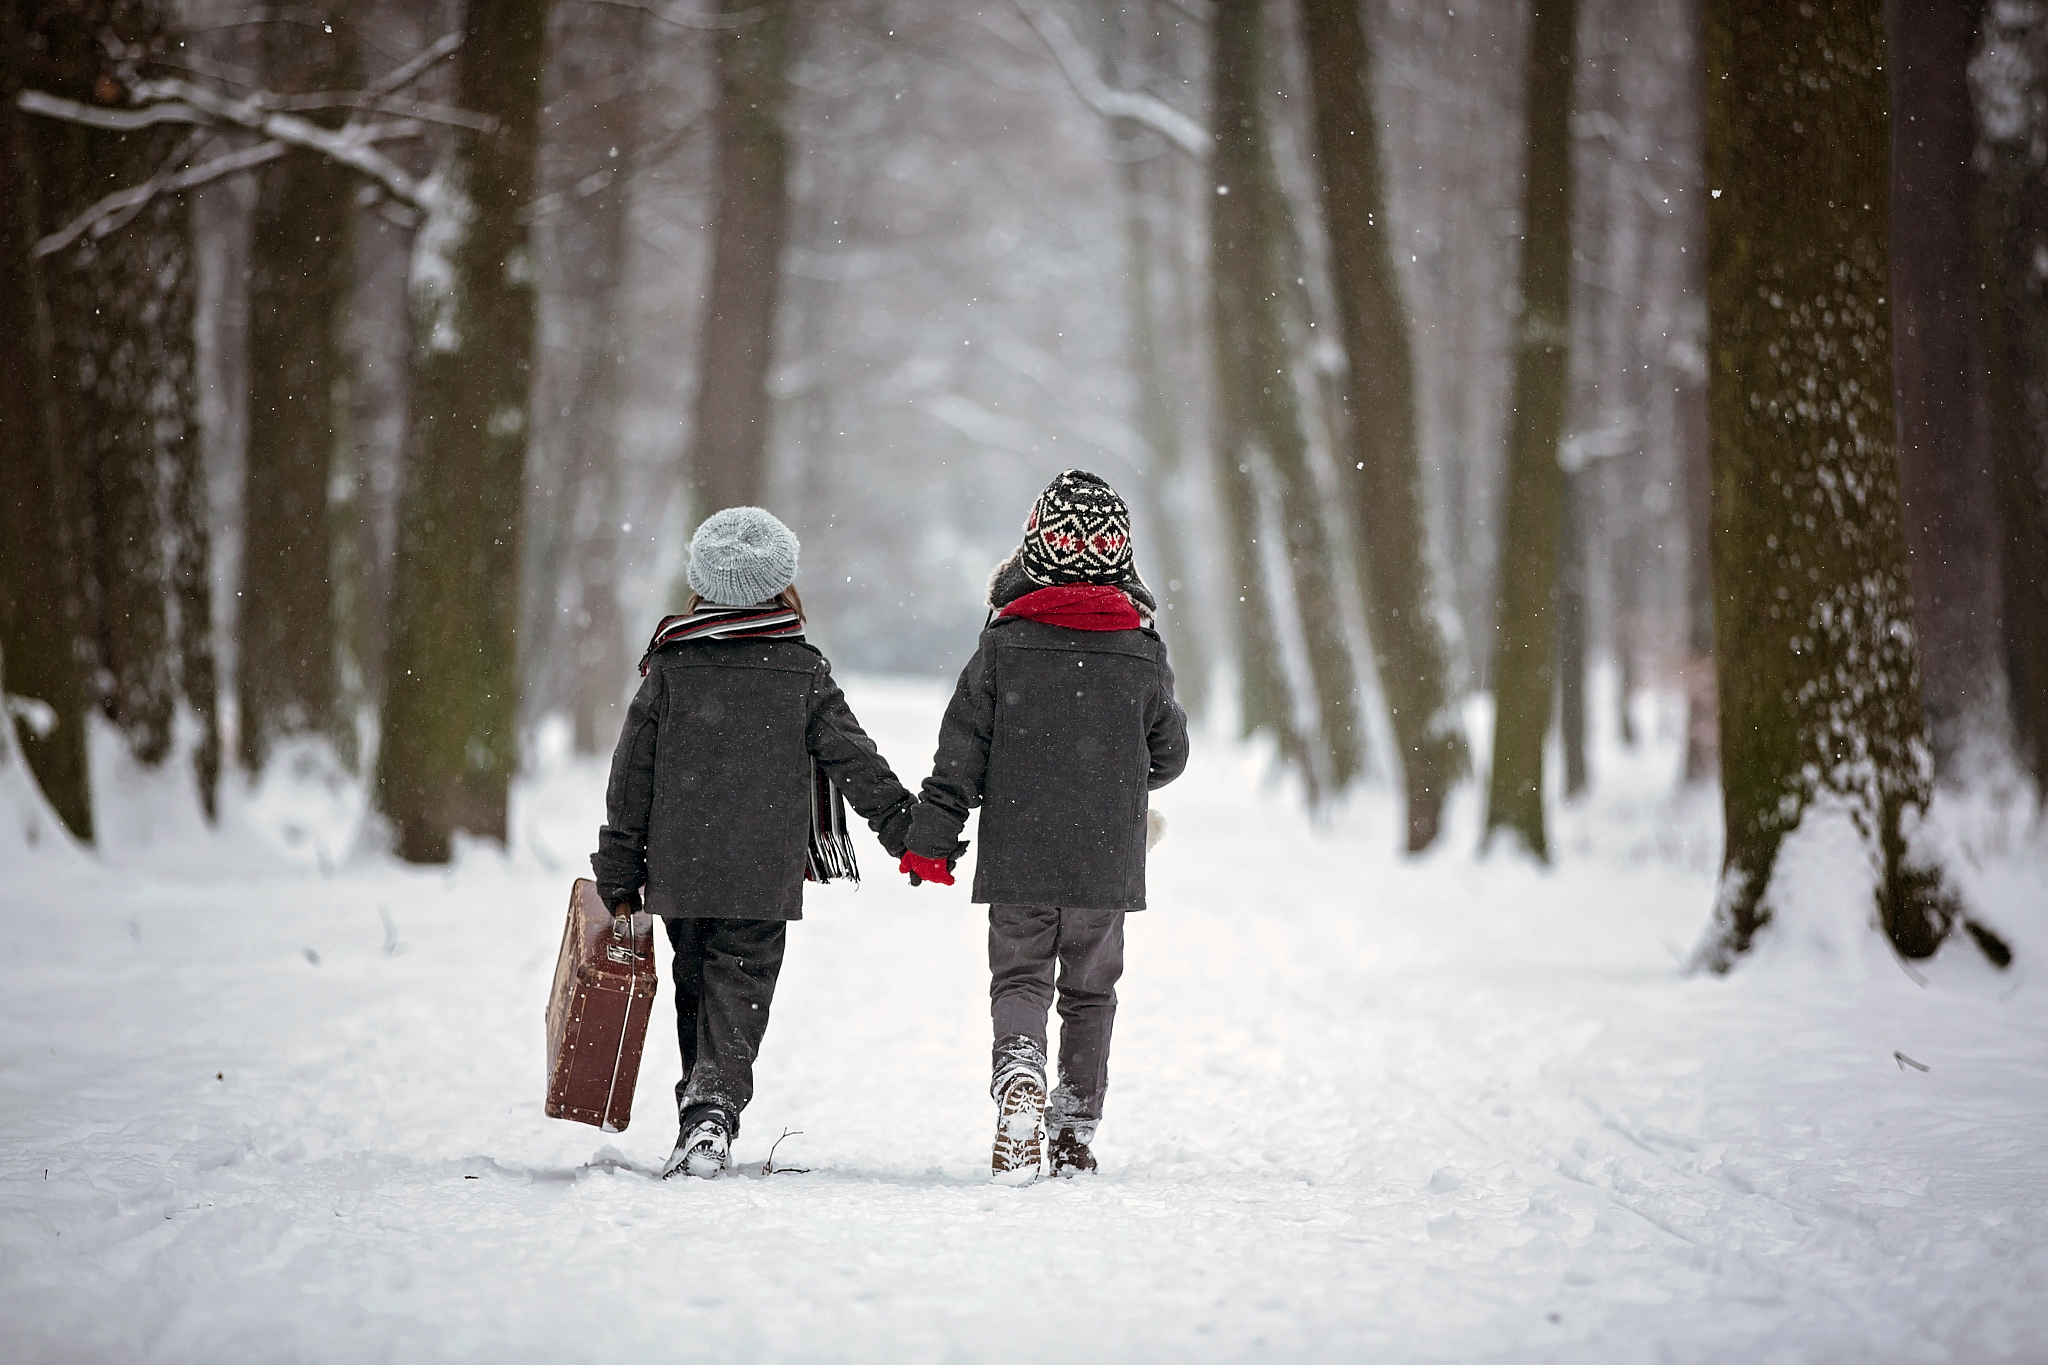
[[742, 556]]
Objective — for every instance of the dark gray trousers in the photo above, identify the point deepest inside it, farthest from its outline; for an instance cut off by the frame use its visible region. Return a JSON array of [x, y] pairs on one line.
[[1025, 945], [725, 972]]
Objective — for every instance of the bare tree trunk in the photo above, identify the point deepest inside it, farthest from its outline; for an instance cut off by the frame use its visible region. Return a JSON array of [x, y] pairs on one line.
[[121, 319], [1259, 420], [1817, 658], [449, 748], [299, 287], [1572, 629], [573, 645], [1702, 704], [2009, 78], [1146, 269], [1384, 461], [38, 593], [600, 651], [729, 447], [1525, 630], [1694, 453], [1947, 484], [1236, 39]]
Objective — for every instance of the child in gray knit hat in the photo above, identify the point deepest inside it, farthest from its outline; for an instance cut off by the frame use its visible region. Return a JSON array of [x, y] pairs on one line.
[[742, 556], [727, 794]]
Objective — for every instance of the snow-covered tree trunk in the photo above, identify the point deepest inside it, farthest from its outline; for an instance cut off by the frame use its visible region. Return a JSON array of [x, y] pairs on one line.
[[2009, 78], [1259, 424], [1817, 658], [1381, 463], [1525, 626], [299, 288], [38, 587], [1947, 482], [731, 415], [448, 747]]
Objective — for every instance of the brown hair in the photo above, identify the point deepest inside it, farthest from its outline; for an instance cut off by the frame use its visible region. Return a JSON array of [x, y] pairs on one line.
[[786, 598]]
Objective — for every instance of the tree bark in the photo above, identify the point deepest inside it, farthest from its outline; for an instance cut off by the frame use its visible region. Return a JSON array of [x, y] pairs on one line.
[[449, 749], [729, 444], [1236, 39], [121, 320], [2009, 79], [1572, 629], [38, 592], [1383, 471], [1161, 429], [602, 663], [1259, 421], [1690, 425], [299, 286], [1525, 628], [1817, 657], [1146, 269], [1947, 483], [595, 114]]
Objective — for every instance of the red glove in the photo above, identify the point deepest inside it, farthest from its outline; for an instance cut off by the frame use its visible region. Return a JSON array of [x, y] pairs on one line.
[[925, 869]]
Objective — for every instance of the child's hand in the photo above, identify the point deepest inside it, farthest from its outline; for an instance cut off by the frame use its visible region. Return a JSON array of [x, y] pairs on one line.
[[923, 869]]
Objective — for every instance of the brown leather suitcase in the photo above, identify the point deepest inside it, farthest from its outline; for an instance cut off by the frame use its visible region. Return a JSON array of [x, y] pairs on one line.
[[597, 1013]]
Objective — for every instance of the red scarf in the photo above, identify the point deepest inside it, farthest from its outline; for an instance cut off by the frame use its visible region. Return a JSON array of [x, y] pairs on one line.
[[1077, 606]]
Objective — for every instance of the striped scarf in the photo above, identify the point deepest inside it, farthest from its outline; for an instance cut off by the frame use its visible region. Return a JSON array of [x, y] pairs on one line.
[[829, 855], [771, 622]]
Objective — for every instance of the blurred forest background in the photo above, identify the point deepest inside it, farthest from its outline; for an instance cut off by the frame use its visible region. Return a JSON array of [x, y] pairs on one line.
[[366, 365]]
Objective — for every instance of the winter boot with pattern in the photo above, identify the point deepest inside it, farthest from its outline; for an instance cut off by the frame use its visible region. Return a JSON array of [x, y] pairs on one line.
[[1069, 1155], [1020, 1130], [702, 1151]]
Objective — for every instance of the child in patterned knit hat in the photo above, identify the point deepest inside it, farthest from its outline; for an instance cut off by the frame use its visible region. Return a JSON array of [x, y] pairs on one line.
[[1073, 680]]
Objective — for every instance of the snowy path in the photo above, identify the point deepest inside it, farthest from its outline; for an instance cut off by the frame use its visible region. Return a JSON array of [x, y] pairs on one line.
[[1360, 1110]]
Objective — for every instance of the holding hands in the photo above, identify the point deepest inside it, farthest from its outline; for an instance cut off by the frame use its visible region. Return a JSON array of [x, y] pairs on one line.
[[923, 869]]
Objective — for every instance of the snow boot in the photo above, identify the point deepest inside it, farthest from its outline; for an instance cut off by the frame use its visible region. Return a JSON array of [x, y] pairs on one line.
[[1020, 1131], [1070, 1156], [703, 1151]]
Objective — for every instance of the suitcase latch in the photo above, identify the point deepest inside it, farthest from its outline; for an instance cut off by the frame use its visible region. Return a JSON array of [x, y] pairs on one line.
[[620, 949]]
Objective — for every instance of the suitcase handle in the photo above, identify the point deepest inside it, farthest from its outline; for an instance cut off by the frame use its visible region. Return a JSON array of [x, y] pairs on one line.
[[620, 949]]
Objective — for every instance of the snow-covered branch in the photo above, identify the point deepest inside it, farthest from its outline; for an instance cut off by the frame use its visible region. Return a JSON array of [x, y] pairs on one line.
[[681, 18], [412, 70], [1156, 114], [385, 104], [93, 116], [349, 146], [116, 208], [276, 118]]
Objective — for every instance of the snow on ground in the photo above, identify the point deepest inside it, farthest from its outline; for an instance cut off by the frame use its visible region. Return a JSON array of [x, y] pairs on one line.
[[268, 1101]]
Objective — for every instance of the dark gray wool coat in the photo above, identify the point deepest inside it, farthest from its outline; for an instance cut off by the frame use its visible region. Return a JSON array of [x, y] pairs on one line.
[[1057, 734], [709, 802]]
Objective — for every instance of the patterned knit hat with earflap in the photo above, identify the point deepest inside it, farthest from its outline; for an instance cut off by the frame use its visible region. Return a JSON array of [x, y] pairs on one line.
[[1079, 532]]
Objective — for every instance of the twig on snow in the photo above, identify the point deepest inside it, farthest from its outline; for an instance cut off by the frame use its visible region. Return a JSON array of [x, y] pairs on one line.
[[770, 1168]]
